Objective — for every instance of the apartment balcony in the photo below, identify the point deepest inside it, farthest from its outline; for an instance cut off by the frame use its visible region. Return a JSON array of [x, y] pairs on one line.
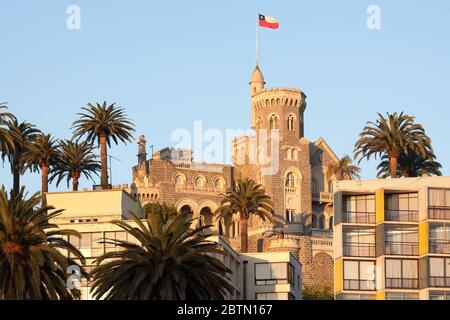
[[359, 285], [355, 249], [439, 246], [358, 217], [402, 283], [401, 248], [439, 213], [439, 282], [401, 215], [323, 197]]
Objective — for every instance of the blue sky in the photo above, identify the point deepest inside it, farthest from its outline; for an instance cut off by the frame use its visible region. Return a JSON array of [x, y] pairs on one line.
[[174, 62]]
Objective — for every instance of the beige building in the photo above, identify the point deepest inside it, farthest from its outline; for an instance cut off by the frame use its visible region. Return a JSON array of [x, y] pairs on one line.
[[301, 193], [254, 276], [392, 239]]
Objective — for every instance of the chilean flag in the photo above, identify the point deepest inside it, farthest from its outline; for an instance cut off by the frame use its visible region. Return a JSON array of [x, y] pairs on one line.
[[268, 22]]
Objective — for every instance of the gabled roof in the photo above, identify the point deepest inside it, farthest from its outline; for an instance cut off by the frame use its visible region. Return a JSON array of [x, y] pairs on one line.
[[321, 142]]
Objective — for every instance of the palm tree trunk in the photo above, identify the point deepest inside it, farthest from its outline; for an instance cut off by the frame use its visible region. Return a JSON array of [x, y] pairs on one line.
[[103, 161], [16, 175], [393, 166], [244, 235], [75, 181], [44, 183]]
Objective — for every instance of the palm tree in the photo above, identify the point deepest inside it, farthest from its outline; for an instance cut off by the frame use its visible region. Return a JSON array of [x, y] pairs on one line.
[[40, 155], [6, 139], [168, 261], [74, 159], [391, 136], [101, 124], [246, 198], [31, 263], [343, 169], [410, 165], [22, 134]]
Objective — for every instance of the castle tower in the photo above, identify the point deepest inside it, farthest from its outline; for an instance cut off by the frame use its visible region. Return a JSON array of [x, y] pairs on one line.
[[256, 81], [142, 150], [277, 118]]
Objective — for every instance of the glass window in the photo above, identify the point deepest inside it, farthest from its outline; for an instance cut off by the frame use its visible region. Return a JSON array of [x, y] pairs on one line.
[[272, 296], [359, 275], [271, 273]]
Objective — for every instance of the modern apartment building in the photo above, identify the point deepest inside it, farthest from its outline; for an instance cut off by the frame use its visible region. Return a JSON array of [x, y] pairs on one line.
[[265, 275], [392, 239]]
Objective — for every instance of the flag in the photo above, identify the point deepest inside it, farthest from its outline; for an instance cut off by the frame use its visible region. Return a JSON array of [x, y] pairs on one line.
[[268, 22]]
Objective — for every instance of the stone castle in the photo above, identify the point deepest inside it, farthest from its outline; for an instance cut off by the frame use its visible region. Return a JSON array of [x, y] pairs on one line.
[[297, 183]]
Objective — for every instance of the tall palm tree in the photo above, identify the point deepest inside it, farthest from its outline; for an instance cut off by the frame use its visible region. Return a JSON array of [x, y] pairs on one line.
[[101, 124], [6, 139], [22, 134], [391, 136], [74, 159], [40, 155], [246, 198], [31, 263], [410, 165], [169, 262], [343, 169]]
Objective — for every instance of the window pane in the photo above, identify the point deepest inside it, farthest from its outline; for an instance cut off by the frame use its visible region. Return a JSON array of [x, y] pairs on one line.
[[437, 267], [262, 271], [96, 238], [367, 270], [351, 270], [279, 270], [85, 240], [393, 268], [410, 269]]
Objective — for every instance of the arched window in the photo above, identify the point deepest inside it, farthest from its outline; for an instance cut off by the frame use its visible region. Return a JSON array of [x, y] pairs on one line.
[[313, 221], [322, 222], [290, 122], [314, 185], [179, 180], [294, 154], [330, 186], [290, 180], [220, 227], [273, 121], [199, 182], [258, 123], [330, 223], [219, 184], [287, 154]]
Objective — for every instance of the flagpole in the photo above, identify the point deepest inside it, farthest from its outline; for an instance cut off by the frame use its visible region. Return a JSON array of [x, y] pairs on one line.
[[257, 36]]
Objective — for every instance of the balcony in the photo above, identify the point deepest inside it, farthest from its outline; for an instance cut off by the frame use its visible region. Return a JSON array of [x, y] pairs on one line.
[[439, 213], [359, 217], [402, 283], [355, 249], [401, 248], [402, 215], [358, 284], [439, 282], [439, 246]]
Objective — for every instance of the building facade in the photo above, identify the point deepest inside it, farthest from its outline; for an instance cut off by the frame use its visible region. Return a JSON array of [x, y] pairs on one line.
[[278, 156], [392, 239], [260, 276]]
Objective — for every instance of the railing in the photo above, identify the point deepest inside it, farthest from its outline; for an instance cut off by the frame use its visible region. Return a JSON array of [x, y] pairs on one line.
[[326, 197], [402, 283], [441, 213], [401, 248], [356, 249], [402, 215], [359, 217], [439, 282], [290, 190], [199, 166], [439, 246], [358, 284]]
